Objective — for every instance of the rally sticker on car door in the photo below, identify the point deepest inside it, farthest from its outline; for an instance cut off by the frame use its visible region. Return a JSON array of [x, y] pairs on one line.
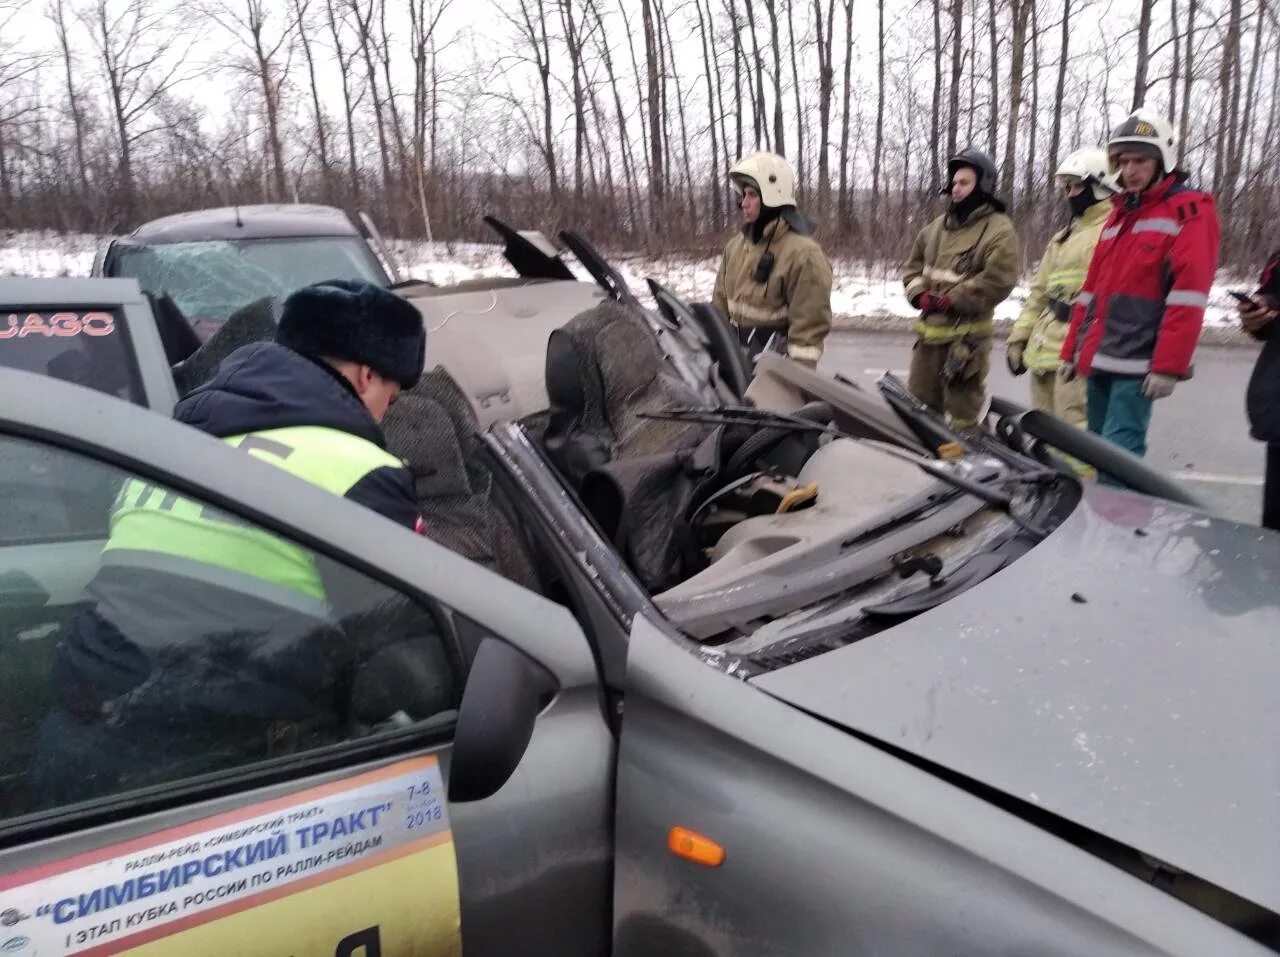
[[361, 866]]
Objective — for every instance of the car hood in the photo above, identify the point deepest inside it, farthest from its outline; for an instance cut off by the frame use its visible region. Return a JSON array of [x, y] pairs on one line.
[[1124, 675]]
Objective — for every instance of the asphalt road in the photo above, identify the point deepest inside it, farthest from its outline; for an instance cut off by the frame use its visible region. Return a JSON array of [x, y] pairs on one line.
[[1198, 435]]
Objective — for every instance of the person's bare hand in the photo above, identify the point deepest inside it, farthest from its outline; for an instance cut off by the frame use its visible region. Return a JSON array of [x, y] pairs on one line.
[[1254, 316]]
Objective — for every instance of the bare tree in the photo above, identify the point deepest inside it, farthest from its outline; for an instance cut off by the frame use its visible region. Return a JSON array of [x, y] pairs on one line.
[[300, 8], [262, 58], [843, 202], [779, 143], [345, 62], [1020, 9], [878, 150], [1059, 92], [711, 72], [957, 64], [1144, 54], [134, 51], [825, 23], [934, 134], [57, 14], [653, 58], [802, 158], [993, 118], [1189, 75]]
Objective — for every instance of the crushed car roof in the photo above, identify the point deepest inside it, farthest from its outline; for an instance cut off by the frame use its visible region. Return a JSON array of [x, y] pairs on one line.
[[1136, 694], [247, 222]]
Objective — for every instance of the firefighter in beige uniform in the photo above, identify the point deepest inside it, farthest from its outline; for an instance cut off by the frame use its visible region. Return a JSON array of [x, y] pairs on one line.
[[962, 265], [774, 282]]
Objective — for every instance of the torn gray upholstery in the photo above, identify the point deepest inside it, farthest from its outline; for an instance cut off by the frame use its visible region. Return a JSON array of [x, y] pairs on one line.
[[434, 429], [256, 322], [637, 476]]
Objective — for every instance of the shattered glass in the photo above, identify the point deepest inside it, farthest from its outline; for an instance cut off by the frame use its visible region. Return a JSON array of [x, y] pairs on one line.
[[211, 280]]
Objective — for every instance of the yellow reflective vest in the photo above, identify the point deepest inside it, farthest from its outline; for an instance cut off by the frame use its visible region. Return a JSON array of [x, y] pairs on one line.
[[1044, 321], [155, 528]]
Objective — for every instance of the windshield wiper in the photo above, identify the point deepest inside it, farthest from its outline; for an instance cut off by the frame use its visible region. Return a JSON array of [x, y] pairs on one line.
[[743, 415]]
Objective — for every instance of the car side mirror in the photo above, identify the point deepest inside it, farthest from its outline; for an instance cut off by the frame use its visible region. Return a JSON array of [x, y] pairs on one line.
[[500, 705]]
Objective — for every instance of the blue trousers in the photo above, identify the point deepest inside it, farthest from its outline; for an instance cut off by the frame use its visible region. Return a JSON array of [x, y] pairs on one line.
[[1119, 412]]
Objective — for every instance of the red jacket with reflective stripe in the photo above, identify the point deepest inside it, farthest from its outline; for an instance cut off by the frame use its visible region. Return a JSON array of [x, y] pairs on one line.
[[1142, 304]]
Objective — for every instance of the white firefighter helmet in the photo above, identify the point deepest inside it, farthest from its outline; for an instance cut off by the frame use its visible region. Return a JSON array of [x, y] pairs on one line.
[[1145, 131], [770, 175], [1091, 166]]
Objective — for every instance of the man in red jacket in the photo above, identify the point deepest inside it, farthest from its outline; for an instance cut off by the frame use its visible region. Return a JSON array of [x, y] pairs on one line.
[[1137, 320]]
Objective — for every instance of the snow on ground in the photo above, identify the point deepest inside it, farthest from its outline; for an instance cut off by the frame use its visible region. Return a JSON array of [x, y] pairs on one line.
[[859, 290]]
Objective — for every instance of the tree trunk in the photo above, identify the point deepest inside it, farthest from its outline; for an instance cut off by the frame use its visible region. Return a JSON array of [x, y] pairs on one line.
[[843, 203], [957, 63], [573, 45], [397, 126], [1020, 9], [271, 103], [1249, 121], [826, 87], [1176, 73], [657, 188], [628, 160], [759, 118], [1028, 189], [711, 66], [802, 158], [645, 151], [1188, 76], [934, 118], [877, 155], [1144, 48], [364, 35], [344, 66], [77, 115], [1228, 85], [322, 133], [779, 143], [738, 54], [993, 119]]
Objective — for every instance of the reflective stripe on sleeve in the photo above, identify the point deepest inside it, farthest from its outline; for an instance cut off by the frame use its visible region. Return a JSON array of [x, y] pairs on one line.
[[1167, 226], [1105, 363], [805, 353], [1186, 297], [738, 309]]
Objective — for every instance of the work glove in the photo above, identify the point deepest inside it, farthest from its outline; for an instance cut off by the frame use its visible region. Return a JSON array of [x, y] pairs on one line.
[[1067, 371], [930, 303], [1013, 357], [1157, 386]]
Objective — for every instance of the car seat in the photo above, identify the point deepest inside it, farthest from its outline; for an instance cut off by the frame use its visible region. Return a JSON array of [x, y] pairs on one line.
[[434, 429], [636, 476]]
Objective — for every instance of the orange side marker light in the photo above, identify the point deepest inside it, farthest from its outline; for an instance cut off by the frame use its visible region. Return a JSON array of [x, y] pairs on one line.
[[695, 847]]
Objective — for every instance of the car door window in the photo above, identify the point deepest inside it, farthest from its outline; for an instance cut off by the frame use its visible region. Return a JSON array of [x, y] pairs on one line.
[[147, 637], [87, 347]]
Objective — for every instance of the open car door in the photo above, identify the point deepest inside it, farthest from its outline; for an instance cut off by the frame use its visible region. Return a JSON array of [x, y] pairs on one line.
[[441, 781]]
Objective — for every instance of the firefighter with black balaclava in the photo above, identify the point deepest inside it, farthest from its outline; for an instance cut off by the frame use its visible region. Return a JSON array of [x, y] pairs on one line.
[[774, 283], [962, 265], [1035, 344]]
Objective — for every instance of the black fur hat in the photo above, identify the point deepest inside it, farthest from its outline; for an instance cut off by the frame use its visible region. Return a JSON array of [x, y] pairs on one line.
[[357, 321]]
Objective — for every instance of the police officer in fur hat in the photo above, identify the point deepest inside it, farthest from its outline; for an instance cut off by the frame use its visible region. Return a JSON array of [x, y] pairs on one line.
[[343, 351], [200, 633]]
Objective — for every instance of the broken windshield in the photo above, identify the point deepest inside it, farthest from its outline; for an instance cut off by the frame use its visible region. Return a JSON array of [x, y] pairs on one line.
[[211, 280]]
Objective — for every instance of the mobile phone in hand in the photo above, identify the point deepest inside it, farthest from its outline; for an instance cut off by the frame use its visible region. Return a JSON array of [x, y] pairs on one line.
[[1241, 297]]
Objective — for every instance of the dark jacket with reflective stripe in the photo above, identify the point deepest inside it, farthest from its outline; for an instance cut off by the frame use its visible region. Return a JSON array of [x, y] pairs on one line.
[[195, 614], [264, 386], [1263, 396], [1142, 305]]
